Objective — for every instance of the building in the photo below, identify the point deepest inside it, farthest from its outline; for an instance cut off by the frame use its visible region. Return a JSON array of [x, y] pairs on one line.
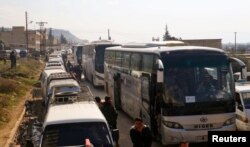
[[16, 38], [216, 43]]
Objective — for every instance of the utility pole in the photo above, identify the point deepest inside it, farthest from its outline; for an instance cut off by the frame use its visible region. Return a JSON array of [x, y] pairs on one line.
[[41, 24], [109, 38], [27, 37], [235, 33]]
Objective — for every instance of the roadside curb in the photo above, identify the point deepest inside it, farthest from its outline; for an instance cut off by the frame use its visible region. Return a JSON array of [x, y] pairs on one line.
[[14, 130]]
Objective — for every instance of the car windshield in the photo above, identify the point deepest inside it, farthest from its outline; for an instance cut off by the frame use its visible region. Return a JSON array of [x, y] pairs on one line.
[[74, 134]]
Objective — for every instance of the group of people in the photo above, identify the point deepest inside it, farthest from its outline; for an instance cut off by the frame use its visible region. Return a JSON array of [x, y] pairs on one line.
[[75, 69], [140, 133]]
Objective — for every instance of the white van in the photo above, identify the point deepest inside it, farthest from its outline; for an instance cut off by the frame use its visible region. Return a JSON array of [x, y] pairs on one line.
[[242, 96], [63, 83], [72, 124], [44, 76]]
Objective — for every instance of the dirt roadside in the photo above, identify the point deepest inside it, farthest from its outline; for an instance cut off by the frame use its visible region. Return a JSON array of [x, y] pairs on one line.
[[8, 130], [15, 113]]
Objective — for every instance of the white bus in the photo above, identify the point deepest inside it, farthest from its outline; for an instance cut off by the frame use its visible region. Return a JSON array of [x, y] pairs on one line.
[[161, 85], [93, 59], [78, 53]]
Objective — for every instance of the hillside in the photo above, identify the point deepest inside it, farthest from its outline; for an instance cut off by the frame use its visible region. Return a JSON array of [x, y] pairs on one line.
[[67, 34]]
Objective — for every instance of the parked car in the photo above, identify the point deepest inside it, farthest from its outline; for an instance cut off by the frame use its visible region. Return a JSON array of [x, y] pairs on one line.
[[242, 96], [23, 53], [237, 77]]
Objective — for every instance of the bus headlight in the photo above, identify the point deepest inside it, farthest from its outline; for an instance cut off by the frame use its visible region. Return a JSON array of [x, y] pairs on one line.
[[229, 121], [172, 125]]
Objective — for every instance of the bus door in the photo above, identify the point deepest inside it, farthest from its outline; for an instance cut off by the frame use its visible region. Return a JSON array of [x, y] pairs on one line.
[[117, 91], [145, 98]]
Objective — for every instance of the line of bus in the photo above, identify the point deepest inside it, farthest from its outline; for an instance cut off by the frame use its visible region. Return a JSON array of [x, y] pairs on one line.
[[161, 84]]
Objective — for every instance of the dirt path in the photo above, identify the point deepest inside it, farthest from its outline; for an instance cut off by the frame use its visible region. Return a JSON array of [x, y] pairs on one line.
[[8, 130]]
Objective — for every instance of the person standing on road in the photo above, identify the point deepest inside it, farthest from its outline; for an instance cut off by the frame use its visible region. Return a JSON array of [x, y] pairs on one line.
[[98, 101], [13, 59], [109, 112], [140, 134]]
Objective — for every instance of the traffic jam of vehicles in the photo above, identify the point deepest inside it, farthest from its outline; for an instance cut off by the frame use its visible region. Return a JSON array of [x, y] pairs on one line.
[[176, 89]]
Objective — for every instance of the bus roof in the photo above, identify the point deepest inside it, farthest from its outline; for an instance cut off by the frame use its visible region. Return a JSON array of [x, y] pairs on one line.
[[86, 111], [160, 49], [153, 44], [103, 42]]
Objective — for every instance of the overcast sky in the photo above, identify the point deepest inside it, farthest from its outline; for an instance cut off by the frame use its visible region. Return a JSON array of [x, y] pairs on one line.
[[135, 20]]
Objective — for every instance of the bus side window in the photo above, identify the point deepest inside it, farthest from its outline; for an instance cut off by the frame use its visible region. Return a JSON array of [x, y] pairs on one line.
[[147, 63], [136, 62], [126, 59], [107, 57], [118, 59], [238, 101], [112, 57]]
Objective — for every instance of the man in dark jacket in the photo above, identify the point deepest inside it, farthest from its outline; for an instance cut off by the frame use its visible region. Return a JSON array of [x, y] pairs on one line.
[[140, 134], [13, 59], [109, 112]]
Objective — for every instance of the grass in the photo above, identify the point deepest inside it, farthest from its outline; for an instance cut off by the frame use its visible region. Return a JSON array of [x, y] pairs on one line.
[[15, 83]]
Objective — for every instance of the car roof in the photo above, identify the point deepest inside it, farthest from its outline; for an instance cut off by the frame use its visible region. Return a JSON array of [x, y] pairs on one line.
[[50, 71], [63, 82], [77, 112]]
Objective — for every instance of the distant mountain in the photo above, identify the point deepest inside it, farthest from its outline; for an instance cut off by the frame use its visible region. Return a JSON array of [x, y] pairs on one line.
[[67, 34]]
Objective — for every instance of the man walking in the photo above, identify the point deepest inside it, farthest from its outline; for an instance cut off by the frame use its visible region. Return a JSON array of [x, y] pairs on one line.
[[140, 134], [109, 112]]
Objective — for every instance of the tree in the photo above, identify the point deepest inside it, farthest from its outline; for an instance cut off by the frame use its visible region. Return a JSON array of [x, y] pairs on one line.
[[63, 39], [167, 36], [50, 37]]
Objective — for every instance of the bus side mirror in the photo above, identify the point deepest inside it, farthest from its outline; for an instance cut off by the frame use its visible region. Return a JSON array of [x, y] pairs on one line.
[[241, 65], [160, 71]]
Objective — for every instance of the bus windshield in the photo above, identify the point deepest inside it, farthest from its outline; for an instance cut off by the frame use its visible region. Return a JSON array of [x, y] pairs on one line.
[[74, 134], [197, 84], [99, 59]]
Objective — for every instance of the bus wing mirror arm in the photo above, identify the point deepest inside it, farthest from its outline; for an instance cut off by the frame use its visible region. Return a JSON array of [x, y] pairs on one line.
[[243, 67], [160, 71]]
